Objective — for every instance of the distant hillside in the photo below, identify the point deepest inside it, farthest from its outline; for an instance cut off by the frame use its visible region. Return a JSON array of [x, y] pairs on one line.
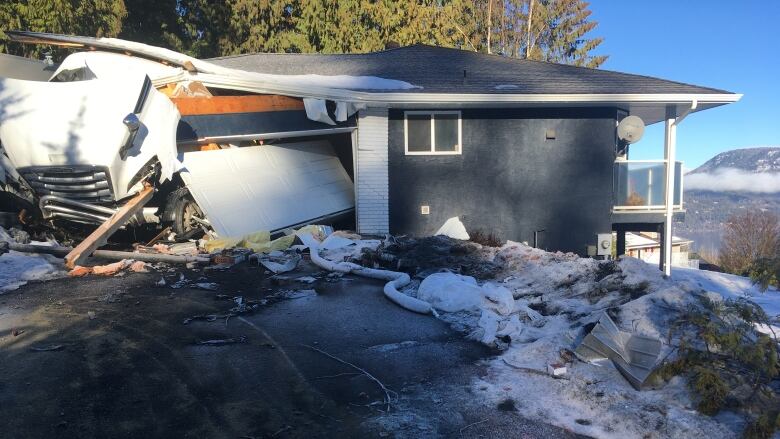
[[729, 183], [766, 159]]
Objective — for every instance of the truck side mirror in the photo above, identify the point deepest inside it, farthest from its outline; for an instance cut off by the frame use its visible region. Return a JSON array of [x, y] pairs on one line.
[[132, 123]]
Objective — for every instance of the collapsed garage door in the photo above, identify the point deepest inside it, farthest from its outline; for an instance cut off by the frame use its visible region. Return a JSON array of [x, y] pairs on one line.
[[268, 187]]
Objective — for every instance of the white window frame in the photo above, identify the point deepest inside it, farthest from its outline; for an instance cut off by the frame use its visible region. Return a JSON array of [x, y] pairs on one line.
[[433, 151]]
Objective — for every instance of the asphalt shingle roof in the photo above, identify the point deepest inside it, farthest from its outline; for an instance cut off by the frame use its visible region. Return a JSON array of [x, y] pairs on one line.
[[441, 70]]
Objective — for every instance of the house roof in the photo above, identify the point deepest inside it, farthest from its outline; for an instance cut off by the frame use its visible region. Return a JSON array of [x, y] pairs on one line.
[[490, 80], [444, 70]]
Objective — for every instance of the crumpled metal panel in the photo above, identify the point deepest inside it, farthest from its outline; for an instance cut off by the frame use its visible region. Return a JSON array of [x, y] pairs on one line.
[[633, 355]]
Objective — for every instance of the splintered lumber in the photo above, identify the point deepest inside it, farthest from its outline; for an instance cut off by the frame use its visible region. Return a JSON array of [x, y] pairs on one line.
[[109, 254], [193, 106], [100, 236]]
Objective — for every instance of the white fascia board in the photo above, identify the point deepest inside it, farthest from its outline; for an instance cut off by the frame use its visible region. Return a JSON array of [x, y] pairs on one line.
[[411, 98]]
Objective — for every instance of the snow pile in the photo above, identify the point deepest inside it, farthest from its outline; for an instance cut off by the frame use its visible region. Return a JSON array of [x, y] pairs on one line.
[[538, 308], [16, 269], [730, 286]]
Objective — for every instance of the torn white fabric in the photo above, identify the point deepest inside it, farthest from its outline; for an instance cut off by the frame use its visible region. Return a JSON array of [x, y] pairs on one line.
[[346, 109], [317, 111], [454, 229], [333, 242], [450, 292]]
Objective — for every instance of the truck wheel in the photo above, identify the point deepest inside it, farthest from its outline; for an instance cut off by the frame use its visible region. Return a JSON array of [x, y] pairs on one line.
[[180, 211]]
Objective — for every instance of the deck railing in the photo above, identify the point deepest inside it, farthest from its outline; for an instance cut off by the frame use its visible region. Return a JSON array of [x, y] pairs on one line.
[[640, 185]]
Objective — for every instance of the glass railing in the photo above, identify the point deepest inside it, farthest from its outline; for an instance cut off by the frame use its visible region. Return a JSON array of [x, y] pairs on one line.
[[641, 185]]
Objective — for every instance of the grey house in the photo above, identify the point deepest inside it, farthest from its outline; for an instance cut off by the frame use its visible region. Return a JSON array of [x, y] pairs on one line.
[[518, 148]]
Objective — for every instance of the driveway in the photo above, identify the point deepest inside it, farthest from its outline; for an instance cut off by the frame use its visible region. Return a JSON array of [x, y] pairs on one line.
[[124, 364]]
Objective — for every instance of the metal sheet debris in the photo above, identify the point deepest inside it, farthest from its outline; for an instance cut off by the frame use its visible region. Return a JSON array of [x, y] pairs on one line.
[[634, 355]]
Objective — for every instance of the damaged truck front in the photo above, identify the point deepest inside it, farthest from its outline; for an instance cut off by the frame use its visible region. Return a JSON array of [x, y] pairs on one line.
[[78, 146]]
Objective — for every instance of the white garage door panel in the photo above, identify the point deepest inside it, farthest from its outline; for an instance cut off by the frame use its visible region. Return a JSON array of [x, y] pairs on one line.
[[268, 187]]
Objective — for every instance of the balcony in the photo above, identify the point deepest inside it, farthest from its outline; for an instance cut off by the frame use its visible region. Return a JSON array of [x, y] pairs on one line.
[[640, 186]]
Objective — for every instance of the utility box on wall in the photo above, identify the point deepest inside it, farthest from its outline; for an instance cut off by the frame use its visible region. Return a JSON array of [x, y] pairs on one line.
[[604, 244]]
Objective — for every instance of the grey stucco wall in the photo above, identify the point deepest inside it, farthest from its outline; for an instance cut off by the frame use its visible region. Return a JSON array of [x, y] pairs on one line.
[[509, 180]]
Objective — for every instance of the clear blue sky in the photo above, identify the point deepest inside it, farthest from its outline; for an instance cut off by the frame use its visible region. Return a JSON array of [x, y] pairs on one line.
[[730, 45]]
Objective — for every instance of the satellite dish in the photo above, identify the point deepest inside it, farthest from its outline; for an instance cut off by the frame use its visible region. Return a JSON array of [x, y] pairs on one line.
[[630, 129]]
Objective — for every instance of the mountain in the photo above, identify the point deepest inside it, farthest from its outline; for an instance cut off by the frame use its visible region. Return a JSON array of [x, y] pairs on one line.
[[730, 183], [765, 159]]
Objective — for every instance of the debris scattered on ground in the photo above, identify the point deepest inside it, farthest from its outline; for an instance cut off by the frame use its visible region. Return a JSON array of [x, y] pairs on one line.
[[389, 395], [208, 286], [138, 267], [537, 306], [306, 279], [279, 262], [297, 294], [223, 341], [204, 317], [556, 369], [634, 355], [91, 315], [49, 348], [111, 269]]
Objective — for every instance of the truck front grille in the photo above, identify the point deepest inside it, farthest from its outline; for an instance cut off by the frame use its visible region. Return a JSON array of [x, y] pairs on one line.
[[89, 184]]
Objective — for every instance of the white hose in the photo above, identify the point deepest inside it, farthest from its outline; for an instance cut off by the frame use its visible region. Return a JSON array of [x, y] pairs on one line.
[[395, 280]]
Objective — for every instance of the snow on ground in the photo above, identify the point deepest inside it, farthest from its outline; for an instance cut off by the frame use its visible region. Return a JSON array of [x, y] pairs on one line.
[[16, 269], [569, 293], [733, 287]]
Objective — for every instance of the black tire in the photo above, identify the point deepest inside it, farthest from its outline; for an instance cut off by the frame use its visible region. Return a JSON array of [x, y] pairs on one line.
[[179, 209]]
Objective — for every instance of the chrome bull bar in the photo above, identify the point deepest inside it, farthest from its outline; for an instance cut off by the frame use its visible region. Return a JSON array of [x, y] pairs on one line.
[[54, 206]]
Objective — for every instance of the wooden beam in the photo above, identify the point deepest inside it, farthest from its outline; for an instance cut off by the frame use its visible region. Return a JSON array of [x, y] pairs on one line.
[[100, 236], [193, 106]]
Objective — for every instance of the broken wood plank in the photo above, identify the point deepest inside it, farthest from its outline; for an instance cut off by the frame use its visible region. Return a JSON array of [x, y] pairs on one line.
[[100, 236], [109, 254], [193, 106]]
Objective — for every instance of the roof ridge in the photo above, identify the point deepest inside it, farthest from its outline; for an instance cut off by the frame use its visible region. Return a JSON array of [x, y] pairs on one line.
[[316, 54], [571, 66]]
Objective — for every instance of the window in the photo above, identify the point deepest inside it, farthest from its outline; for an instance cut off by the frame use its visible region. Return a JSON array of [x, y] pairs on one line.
[[432, 132]]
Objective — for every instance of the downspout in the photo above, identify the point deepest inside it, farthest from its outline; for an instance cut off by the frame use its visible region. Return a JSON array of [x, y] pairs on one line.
[[670, 144]]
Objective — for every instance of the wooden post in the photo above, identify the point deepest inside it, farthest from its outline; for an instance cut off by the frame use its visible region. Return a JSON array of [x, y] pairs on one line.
[[100, 236]]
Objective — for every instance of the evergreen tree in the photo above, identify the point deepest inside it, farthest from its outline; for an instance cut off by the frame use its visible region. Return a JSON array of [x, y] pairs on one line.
[[557, 30], [81, 17]]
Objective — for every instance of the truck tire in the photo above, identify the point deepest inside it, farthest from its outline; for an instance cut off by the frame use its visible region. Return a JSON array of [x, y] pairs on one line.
[[180, 207]]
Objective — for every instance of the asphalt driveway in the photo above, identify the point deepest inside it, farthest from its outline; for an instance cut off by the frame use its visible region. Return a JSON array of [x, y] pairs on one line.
[[113, 358]]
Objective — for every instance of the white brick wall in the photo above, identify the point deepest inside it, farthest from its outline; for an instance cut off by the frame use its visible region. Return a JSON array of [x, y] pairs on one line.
[[371, 181]]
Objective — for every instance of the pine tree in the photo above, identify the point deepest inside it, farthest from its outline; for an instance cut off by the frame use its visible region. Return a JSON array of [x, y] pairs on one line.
[[81, 17], [557, 30]]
